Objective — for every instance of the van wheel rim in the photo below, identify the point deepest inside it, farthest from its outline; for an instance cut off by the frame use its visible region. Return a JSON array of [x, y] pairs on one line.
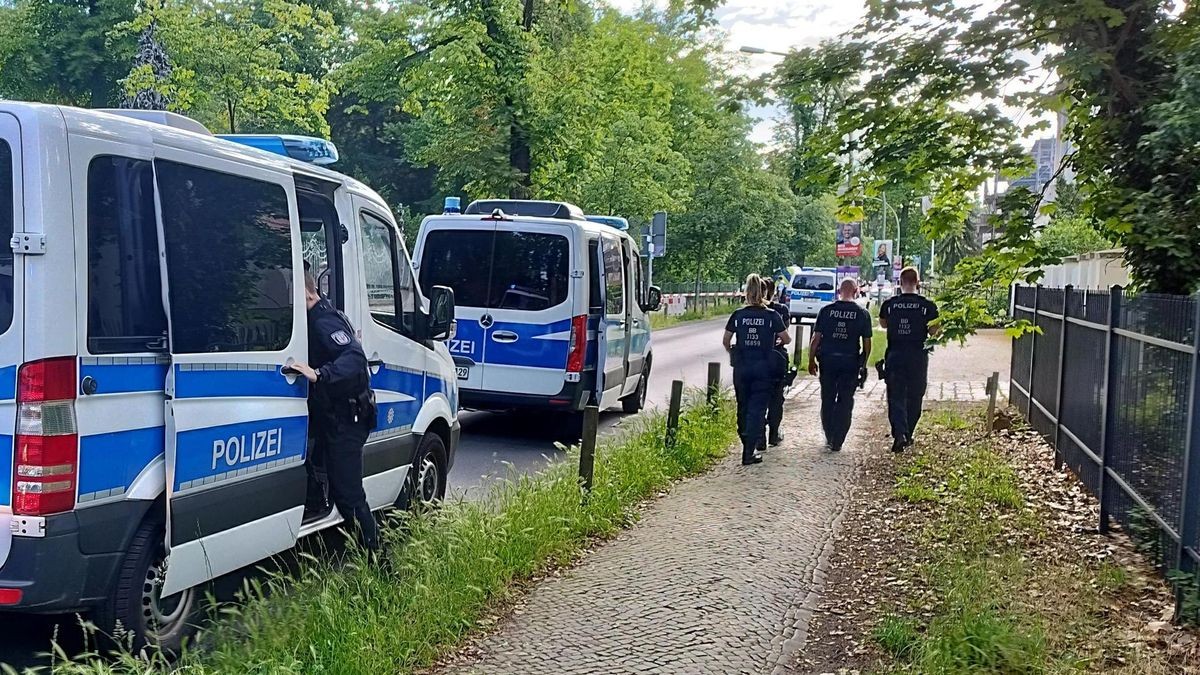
[[162, 616], [642, 390], [428, 480]]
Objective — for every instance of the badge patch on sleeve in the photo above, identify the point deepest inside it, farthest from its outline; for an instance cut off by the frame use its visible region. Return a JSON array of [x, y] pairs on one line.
[[341, 338]]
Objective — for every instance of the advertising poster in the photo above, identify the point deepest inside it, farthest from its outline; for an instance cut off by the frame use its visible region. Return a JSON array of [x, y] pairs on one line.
[[881, 259], [849, 240]]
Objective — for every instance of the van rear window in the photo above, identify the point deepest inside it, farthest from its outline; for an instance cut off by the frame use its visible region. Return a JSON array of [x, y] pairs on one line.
[[501, 270], [6, 232], [812, 282]]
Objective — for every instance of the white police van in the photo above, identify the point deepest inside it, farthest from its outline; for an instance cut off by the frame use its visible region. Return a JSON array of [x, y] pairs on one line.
[[151, 435], [811, 288], [551, 308]]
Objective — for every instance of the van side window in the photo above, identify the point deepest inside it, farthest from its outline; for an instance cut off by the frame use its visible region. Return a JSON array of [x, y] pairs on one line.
[[125, 310], [6, 232], [595, 277], [390, 288], [229, 260], [613, 284], [461, 260]]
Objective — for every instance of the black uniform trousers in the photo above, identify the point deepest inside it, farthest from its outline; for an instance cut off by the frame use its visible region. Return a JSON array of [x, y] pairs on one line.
[[907, 372], [839, 379], [344, 467], [752, 385], [775, 406]]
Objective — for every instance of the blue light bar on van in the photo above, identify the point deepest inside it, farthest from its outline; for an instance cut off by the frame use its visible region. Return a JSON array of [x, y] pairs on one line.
[[612, 221], [304, 148], [452, 205]]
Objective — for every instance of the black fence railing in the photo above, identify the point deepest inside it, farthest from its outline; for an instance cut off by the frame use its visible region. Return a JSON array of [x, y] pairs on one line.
[[1111, 381]]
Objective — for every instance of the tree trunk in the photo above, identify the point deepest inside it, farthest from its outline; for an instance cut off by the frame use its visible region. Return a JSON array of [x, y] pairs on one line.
[[527, 17], [232, 121]]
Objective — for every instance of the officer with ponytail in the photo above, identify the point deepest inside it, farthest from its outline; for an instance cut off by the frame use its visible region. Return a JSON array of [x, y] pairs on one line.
[[751, 336]]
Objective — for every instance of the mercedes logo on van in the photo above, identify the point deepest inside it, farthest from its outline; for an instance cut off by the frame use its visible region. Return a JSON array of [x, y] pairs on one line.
[[486, 321]]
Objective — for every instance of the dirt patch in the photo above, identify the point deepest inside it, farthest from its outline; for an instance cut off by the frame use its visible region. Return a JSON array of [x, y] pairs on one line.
[[1096, 601]]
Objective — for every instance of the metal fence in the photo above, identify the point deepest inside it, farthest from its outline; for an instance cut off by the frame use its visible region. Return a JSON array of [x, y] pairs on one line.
[[1111, 381]]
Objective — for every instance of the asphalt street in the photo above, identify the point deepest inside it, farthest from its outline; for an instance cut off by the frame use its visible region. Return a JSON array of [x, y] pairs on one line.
[[497, 445]]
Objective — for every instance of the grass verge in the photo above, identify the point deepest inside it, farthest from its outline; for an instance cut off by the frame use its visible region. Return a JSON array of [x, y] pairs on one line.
[[448, 571], [661, 320], [1000, 577]]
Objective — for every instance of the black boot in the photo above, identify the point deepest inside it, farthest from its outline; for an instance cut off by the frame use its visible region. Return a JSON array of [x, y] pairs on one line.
[[776, 438], [750, 455]]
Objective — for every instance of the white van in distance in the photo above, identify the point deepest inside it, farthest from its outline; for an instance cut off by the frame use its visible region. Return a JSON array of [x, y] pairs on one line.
[[152, 436], [551, 308]]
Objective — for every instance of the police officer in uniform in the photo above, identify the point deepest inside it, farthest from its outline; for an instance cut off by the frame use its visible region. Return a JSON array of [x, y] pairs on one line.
[[341, 408], [758, 330], [840, 345], [775, 407], [907, 318]]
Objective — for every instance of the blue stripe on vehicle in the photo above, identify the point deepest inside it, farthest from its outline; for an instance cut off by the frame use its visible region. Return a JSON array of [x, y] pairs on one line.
[[126, 378], [528, 350], [437, 385], [217, 453], [8, 383], [114, 460], [6, 468], [228, 382], [398, 414]]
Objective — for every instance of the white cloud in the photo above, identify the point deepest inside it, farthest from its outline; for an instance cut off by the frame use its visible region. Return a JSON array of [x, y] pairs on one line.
[[773, 25]]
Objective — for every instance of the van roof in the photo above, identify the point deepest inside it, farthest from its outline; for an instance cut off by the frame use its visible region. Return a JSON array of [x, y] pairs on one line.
[[134, 128], [465, 220]]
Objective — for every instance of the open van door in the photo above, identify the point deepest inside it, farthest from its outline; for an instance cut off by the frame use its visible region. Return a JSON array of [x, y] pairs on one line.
[[612, 355], [236, 418]]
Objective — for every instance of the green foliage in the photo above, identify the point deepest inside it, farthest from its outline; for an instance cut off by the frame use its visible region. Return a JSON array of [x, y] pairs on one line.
[[444, 568], [1072, 235]]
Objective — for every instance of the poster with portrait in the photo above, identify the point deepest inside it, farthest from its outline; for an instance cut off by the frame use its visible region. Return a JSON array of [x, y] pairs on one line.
[[881, 259], [849, 240]]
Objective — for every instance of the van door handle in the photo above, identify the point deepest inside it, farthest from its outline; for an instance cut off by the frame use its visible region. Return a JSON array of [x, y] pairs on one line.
[[504, 336]]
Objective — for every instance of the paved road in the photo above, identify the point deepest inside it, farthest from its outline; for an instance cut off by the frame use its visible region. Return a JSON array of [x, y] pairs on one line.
[[495, 444]]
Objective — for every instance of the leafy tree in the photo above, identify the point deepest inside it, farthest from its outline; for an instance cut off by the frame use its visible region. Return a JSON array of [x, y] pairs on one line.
[[1072, 236], [237, 67]]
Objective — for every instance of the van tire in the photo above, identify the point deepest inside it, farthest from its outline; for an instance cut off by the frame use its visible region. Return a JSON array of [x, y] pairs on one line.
[[425, 484], [133, 616], [634, 402]]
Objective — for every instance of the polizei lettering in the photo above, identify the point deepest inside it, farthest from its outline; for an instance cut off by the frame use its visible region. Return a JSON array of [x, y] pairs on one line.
[[247, 448], [839, 314]]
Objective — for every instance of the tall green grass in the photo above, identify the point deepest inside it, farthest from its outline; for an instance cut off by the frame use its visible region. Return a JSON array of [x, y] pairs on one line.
[[445, 571]]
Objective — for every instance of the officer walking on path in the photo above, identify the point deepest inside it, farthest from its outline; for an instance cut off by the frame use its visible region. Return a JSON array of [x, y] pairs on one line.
[[907, 318], [756, 366], [341, 408], [842, 327], [775, 406]]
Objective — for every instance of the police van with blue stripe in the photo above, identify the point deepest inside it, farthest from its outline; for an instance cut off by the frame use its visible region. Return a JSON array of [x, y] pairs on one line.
[[811, 288], [551, 307], [152, 436]]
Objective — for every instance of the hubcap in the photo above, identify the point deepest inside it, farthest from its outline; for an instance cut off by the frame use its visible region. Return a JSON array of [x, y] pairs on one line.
[[428, 480], [162, 616]]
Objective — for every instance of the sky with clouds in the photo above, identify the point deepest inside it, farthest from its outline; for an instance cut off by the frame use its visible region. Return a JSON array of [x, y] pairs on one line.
[[775, 25]]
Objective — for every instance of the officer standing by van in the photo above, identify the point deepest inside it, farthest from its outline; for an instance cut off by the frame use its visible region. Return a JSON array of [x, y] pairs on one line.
[[758, 330], [341, 407], [840, 346], [775, 406], [907, 318]]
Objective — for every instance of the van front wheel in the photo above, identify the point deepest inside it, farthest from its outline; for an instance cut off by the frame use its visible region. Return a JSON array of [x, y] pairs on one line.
[[425, 484], [136, 612], [637, 400]]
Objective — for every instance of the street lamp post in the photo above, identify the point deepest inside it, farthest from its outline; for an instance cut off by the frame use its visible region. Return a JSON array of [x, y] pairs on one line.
[[746, 49]]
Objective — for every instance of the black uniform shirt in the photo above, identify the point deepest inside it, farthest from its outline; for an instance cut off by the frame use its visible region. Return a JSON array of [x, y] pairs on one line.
[[335, 353], [755, 328], [908, 316], [842, 325], [782, 310]]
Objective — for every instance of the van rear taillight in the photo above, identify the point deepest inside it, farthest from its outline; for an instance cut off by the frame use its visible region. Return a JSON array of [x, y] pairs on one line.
[[46, 447], [577, 347]]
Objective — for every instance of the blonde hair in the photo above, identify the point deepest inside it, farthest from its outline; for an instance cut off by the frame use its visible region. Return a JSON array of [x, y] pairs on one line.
[[754, 291], [909, 275]]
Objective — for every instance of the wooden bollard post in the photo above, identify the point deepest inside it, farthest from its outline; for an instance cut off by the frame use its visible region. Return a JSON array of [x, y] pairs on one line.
[[714, 382], [798, 345], [587, 447], [673, 411], [992, 386]]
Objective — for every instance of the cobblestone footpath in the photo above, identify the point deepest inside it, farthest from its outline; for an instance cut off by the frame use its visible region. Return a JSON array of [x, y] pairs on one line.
[[874, 390], [719, 577]]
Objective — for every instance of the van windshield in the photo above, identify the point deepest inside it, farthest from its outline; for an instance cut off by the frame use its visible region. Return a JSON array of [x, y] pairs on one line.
[[498, 270], [812, 282]]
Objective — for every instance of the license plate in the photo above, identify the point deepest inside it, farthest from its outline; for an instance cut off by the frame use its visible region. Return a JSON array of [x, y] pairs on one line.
[[462, 372]]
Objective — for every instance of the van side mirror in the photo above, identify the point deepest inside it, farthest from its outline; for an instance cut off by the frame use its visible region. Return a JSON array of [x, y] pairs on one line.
[[653, 299], [441, 312]]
